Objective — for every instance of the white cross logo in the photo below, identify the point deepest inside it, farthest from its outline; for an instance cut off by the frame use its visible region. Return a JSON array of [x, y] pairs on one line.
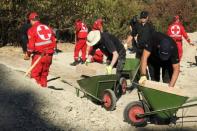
[[175, 30], [44, 32]]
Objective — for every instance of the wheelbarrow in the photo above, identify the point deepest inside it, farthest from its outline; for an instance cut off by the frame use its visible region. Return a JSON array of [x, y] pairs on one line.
[[107, 89], [156, 106], [129, 72], [100, 89]]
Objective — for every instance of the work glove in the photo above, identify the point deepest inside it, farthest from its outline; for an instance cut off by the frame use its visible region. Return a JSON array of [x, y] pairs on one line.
[[87, 62], [109, 69], [142, 80], [125, 46]]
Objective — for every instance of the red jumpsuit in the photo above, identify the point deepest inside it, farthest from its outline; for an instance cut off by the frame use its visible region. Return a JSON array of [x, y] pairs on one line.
[[176, 31], [41, 41], [98, 56], [81, 34]]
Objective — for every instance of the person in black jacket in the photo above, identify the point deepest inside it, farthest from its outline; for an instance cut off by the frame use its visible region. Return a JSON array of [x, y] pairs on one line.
[[130, 39], [142, 31], [160, 52], [24, 38], [110, 46]]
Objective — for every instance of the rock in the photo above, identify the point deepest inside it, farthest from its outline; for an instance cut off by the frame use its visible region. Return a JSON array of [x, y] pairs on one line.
[[68, 108]]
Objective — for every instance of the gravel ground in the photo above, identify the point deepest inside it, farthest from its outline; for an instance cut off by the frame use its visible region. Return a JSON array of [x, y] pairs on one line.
[[25, 106]]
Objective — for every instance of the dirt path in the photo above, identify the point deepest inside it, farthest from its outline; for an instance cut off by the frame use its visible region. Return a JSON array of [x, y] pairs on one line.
[[24, 106]]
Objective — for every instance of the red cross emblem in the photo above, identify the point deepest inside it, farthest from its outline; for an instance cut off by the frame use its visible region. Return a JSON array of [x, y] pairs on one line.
[[44, 32], [175, 30]]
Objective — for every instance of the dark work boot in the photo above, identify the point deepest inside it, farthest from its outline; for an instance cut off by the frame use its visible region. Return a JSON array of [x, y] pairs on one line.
[[82, 62], [75, 63]]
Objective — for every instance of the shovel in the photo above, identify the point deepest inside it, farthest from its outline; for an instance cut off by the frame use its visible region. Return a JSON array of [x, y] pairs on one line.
[[35, 63]]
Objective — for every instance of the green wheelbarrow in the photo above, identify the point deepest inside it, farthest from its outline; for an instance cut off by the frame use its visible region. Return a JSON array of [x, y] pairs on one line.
[[156, 106], [129, 72], [107, 89], [100, 89]]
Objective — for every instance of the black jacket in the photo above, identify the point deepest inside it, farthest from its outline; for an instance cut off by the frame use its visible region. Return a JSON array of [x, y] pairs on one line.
[[144, 33]]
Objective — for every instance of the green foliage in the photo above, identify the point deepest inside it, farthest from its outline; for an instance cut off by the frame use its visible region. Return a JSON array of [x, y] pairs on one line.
[[163, 11], [116, 14], [61, 14]]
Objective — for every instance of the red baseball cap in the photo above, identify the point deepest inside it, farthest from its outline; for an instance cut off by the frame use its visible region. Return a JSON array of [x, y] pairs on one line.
[[97, 24], [33, 15]]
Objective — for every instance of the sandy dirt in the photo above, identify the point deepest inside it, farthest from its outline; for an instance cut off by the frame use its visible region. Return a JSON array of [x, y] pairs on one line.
[[25, 106]]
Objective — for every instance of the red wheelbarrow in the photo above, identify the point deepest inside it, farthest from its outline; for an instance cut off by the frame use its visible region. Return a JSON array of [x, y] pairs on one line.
[[156, 105]]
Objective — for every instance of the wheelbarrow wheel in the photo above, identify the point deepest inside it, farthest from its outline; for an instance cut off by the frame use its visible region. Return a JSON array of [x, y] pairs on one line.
[[123, 85], [109, 100], [130, 114]]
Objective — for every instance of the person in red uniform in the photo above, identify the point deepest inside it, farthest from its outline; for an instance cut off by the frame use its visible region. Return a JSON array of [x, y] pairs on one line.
[[81, 36], [41, 44], [98, 55], [177, 31]]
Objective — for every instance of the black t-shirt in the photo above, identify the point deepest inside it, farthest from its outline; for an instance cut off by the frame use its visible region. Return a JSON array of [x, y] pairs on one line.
[[108, 44], [153, 47], [144, 33]]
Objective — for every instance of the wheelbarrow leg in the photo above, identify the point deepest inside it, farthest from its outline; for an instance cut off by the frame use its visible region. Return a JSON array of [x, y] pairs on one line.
[[141, 100], [77, 92]]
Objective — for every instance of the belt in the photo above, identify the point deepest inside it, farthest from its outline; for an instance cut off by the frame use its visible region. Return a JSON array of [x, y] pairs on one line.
[[81, 38], [178, 40]]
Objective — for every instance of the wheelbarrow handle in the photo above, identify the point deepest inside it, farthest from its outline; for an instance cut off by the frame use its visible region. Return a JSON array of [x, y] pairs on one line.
[[135, 73], [167, 109], [34, 64], [164, 110], [79, 89]]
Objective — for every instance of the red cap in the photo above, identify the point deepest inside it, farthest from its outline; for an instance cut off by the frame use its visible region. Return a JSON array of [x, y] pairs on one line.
[[77, 22], [98, 24], [33, 15], [176, 17]]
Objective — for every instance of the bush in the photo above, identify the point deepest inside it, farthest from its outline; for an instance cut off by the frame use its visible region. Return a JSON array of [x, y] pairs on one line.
[[61, 14], [163, 11]]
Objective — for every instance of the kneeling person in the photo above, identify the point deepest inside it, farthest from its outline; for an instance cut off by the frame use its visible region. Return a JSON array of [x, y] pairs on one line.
[[110, 46]]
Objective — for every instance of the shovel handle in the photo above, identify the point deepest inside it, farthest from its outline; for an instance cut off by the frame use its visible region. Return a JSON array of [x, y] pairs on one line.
[[35, 63]]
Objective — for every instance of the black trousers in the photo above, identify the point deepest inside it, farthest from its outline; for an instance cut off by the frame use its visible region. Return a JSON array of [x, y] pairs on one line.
[[120, 66], [154, 70]]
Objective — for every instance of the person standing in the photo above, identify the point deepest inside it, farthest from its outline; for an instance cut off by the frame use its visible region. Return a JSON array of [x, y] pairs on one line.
[[177, 31], [42, 43], [130, 39], [110, 46], [160, 52], [80, 45], [142, 31], [24, 39]]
